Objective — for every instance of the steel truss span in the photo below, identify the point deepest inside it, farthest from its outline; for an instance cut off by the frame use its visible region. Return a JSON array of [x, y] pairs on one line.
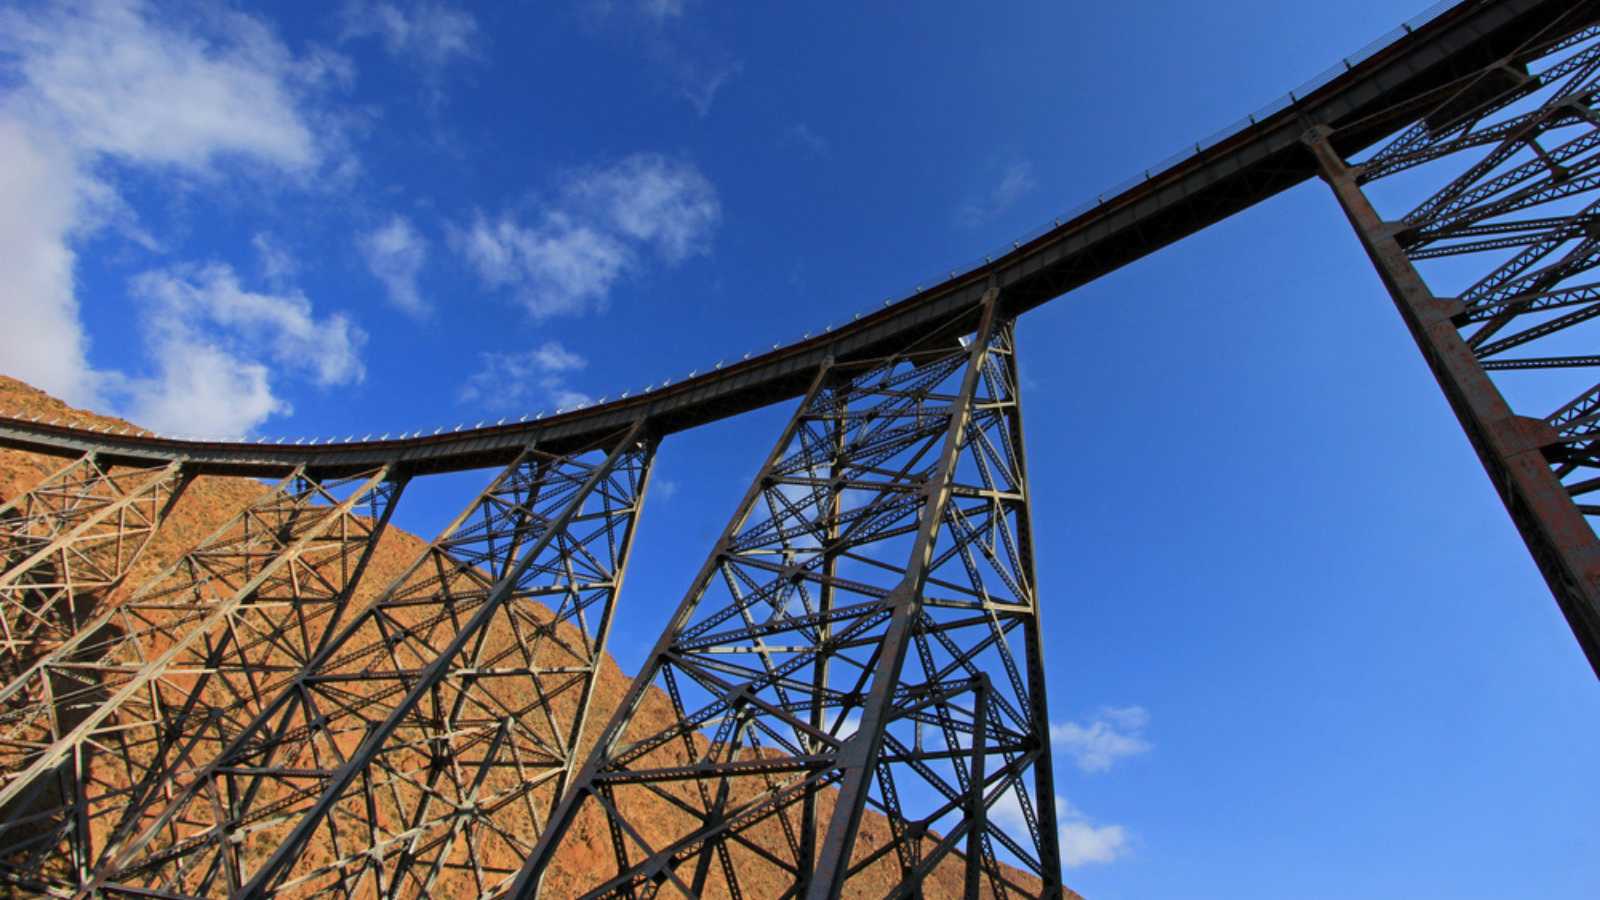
[[863, 635], [1490, 255], [850, 697]]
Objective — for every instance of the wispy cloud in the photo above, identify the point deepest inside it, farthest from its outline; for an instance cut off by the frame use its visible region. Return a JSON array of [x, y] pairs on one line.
[[1082, 842], [1115, 733], [395, 253], [799, 134], [568, 254], [662, 9], [95, 90], [429, 35], [215, 344], [699, 82], [1016, 181], [694, 65], [278, 265], [519, 380]]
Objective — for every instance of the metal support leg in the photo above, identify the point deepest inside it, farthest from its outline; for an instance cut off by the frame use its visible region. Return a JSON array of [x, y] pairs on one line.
[[47, 594], [427, 739], [1518, 144], [92, 729], [810, 716]]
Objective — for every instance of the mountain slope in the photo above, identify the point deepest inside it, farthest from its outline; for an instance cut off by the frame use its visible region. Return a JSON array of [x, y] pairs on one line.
[[211, 501]]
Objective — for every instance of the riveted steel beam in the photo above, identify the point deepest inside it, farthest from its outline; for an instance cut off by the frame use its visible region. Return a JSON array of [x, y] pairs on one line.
[[90, 732], [827, 666], [47, 594], [439, 723], [1502, 178]]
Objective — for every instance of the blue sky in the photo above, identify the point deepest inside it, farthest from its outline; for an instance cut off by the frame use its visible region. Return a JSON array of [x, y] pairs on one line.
[[1296, 647]]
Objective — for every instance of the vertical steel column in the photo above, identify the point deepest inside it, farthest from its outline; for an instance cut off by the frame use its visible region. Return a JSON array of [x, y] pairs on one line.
[[165, 672], [859, 757], [47, 594], [1044, 779], [882, 528], [572, 501], [1511, 447], [418, 750]]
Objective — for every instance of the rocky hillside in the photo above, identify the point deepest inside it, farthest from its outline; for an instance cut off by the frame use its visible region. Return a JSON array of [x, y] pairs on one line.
[[211, 501]]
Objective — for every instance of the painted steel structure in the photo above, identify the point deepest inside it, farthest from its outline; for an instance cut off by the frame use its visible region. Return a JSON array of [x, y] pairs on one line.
[[851, 695]]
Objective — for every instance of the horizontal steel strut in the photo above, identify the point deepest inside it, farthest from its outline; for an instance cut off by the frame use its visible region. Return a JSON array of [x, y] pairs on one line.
[[69, 543], [439, 722], [1510, 159], [850, 648], [89, 733]]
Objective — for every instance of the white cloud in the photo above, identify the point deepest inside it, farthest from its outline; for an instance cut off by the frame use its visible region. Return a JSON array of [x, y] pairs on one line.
[[661, 9], [431, 34], [1081, 841], [692, 64], [202, 389], [114, 80], [552, 357], [557, 266], [1016, 182], [699, 83], [654, 12], [517, 380], [1113, 734], [41, 201], [96, 88], [395, 253], [278, 265], [190, 298], [212, 342], [800, 135], [574, 250], [667, 204]]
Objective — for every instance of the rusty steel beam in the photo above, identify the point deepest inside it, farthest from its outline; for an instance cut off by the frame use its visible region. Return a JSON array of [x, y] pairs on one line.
[[833, 658], [48, 594], [88, 731], [1510, 163], [1364, 104], [441, 721]]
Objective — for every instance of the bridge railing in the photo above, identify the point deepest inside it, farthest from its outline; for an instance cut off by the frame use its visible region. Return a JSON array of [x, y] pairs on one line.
[[1321, 79], [973, 264]]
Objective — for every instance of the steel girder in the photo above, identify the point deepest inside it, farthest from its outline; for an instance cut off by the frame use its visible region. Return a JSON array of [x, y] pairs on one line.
[[162, 681], [67, 544], [862, 639], [1492, 270], [420, 750]]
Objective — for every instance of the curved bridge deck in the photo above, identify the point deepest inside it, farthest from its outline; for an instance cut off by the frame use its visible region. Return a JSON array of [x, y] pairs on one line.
[[1362, 105]]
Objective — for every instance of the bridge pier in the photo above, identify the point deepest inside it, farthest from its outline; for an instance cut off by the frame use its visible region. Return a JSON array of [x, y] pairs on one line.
[[862, 639], [1481, 144]]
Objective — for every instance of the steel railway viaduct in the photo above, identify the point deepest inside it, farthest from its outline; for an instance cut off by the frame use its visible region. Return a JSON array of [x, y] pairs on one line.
[[851, 695]]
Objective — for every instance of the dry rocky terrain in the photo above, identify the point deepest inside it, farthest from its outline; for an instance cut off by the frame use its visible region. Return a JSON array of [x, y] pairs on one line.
[[212, 501]]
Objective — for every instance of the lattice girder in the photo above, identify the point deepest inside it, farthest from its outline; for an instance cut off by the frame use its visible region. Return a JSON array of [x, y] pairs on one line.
[[435, 730], [57, 502], [1491, 260], [889, 521], [66, 548], [162, 681]]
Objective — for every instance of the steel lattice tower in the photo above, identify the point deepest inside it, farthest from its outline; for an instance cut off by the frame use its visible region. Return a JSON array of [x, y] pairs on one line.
[[865, 633], [850, 698], [1509, 159]]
